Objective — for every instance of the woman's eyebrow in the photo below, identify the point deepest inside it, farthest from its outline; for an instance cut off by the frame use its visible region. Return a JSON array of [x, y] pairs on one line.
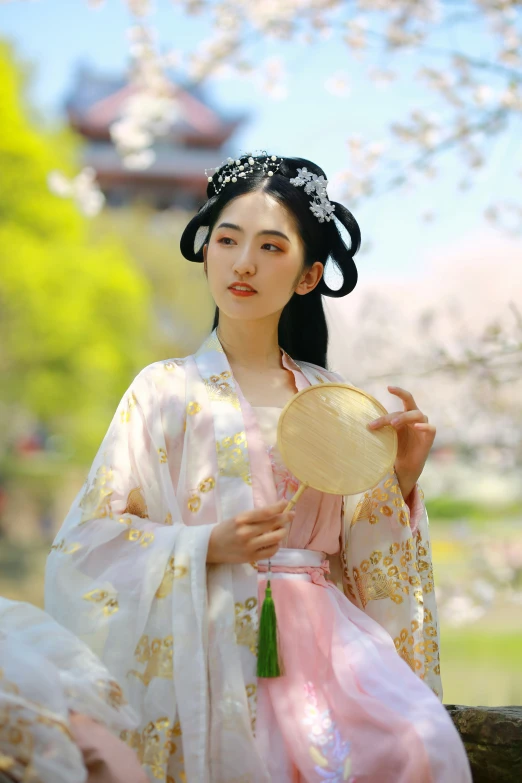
[[260, 233]]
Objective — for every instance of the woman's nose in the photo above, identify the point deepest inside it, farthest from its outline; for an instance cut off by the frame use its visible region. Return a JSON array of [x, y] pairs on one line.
[[243, 264]]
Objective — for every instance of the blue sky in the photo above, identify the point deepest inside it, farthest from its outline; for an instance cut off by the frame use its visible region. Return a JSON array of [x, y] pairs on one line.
[[310, 122]]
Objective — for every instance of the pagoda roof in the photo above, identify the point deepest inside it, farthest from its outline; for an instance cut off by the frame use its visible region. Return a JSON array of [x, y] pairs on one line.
[[98, 100]]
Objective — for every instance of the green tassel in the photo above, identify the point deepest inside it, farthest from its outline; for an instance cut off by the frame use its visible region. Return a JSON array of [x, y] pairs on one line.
[[267, 652]]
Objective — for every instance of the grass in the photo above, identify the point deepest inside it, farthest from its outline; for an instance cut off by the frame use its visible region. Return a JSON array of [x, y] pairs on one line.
[[449, 509], [480, 666]]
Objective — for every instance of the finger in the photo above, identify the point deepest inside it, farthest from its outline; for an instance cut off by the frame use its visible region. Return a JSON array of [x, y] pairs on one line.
[[382, 421], [398, 419], [425, 427], [261, 514], [408, 418], [266, 554], [267, 540], [256, 529], [405, 396]]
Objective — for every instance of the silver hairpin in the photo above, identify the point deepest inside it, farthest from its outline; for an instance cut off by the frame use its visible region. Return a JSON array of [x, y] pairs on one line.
[[241, 168]]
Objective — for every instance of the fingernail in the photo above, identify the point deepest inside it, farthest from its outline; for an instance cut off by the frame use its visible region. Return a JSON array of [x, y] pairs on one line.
[[372, 424], [395, 421]]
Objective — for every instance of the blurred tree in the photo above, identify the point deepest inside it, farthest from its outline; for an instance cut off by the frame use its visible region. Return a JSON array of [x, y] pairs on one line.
[[74, 307], [182, 309]]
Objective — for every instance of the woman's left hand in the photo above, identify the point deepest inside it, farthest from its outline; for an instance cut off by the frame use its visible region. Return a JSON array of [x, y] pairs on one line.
[[415, 439]]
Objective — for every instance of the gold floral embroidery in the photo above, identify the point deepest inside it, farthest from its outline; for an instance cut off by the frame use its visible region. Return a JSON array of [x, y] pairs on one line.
[[193, 408], [220, 390], [157, 655], [131, 403], [168, 519], [96, 501], [318, 378], [211, 344], [65, 548], [17, 724], [110, 602], [162, 456], [246, 624], [375, 585], [207, 485], [136, 504], [172, 572], [6, 763], [133, 534], [404, 518], [348, 586], [155, 745], [194, 501], [387, 511], [404, 646], [110, 692], [233, 459], [251, 692], [363, 510]]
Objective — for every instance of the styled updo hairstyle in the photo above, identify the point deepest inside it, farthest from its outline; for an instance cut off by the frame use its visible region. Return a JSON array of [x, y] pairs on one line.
[[303, 332]]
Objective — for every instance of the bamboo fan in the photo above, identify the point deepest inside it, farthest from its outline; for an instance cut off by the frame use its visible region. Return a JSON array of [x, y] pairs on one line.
[[324, 441]]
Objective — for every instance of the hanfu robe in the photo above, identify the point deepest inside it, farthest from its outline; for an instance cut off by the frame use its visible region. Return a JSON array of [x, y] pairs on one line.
[[128, 575], [60, 710]]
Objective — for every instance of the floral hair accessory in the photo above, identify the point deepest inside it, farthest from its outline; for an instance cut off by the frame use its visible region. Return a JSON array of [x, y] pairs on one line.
[[231, 170], [315, 187]]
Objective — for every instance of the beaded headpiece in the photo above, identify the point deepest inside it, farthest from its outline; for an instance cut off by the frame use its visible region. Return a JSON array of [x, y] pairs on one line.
[[241, 168]]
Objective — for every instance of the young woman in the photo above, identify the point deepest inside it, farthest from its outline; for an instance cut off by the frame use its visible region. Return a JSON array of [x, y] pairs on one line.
[[161, 564]]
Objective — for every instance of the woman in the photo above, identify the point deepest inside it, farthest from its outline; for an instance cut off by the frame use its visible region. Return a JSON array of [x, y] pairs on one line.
[[161, 563]]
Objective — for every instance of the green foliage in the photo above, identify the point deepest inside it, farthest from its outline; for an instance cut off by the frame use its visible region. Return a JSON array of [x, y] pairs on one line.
[[27, 155], [74, 308], [449, 509], [182, 309]]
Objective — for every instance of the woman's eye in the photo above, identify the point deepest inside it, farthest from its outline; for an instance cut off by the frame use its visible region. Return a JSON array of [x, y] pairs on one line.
[[271, 246], [225, 241]]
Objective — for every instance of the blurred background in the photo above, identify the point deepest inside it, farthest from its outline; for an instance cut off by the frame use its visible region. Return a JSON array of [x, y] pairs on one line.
[[109, 114]]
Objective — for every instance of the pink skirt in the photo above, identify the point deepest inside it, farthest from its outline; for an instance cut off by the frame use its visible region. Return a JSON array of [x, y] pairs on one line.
[[347, 708]]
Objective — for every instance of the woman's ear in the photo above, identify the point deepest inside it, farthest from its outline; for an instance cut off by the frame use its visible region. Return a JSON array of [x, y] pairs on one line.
[[310, 278], [205, 251]]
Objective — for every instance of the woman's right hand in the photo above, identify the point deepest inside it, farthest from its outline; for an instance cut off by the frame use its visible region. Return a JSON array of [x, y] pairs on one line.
[[254, 535]]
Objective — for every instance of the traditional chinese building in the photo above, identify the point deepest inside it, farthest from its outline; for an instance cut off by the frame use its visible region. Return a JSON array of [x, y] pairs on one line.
[[199, 137]]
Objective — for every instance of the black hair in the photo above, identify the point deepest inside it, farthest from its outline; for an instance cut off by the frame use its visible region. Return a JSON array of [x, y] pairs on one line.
[[303, 331]]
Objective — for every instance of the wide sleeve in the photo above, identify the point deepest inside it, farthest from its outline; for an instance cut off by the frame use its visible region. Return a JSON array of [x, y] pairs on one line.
[[128, 577], [388, 572], [49, 683]]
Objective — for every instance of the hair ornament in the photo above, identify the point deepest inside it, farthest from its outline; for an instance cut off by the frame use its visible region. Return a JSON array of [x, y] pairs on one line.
[[315, 187], [231, 170]]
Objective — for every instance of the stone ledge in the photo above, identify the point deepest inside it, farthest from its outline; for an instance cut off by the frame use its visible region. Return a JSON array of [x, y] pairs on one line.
[[492, 737]]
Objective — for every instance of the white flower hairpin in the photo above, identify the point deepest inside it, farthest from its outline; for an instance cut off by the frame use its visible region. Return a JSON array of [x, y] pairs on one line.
[[231, 170], [315, 187], [245, 166]]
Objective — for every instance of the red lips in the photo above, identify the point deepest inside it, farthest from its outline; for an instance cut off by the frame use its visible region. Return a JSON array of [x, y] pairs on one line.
[[242, 289]]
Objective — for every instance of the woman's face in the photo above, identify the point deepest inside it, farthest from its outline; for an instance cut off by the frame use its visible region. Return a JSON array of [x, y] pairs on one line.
[[254, 258]]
